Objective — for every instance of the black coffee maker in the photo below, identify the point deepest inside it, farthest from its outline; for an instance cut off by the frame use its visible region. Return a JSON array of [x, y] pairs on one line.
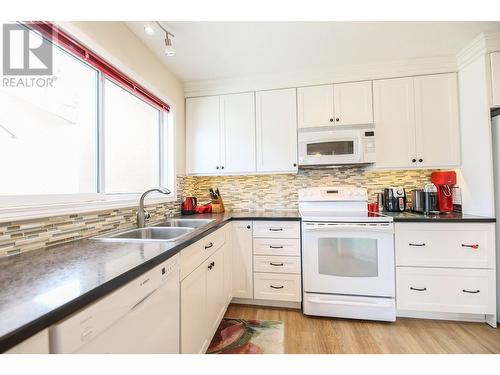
[[395, 199]]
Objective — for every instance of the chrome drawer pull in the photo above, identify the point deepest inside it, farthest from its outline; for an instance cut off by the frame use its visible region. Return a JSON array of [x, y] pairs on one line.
[[417, 244], [276, 229], [473, 246], [418, 289], [276, 264], [209, 245], [277, 287], [275, 247], [470, 291]]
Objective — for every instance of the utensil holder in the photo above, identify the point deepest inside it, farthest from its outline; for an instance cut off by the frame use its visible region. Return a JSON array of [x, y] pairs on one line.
[[218, 205]]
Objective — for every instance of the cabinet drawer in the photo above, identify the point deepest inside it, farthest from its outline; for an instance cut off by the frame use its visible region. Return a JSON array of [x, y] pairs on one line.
[[445, 245], [193, 255], [276, 229], [276, 264], [450, 290], [277, 287], [276, 246]]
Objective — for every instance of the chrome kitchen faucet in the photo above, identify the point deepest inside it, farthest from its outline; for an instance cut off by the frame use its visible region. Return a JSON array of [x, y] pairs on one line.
[[142, 214]]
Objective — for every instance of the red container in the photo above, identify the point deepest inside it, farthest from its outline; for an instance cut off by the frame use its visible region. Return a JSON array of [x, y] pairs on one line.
[[444, 182]]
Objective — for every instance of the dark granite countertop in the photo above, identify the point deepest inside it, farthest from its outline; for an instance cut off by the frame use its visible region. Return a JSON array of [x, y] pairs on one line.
[[452, 217], [40, 287]]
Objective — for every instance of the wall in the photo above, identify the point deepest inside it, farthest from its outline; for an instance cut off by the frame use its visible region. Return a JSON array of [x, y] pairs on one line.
[[119, 45], [267, 192], [476, 178]]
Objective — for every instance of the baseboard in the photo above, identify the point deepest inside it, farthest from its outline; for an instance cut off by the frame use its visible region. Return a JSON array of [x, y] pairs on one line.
[[269, 303]]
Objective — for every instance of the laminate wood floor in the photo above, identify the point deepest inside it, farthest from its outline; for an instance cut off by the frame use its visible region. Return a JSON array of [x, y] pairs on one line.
[[314, 335]]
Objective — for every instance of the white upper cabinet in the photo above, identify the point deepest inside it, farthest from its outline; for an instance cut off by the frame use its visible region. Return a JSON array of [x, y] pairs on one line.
[[394, 110], [338, 104], [436, 119], [416, 122], [276, 131], [238, 130], [203, 135], [315, 106], [220, 134], [353, 103], [495, 79]]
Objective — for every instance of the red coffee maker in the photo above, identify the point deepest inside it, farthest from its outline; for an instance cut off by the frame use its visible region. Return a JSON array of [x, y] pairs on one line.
[[444, 182]]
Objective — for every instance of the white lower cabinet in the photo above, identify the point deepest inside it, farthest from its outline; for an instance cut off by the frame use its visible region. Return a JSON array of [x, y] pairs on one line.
[[205, 293], [450, 290], [36, 344], [277, 287], [446, 268], [194, 329], [268, 255], [242, 259]]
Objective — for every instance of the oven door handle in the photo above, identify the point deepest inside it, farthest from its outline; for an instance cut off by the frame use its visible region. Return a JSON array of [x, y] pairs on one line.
[[364, 228]]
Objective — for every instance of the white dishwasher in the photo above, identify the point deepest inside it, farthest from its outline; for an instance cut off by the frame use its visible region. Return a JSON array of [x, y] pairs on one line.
[[140, 317]]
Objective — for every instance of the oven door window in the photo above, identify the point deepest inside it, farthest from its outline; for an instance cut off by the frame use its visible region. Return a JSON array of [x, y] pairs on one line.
[[348, 257], [331, 148]]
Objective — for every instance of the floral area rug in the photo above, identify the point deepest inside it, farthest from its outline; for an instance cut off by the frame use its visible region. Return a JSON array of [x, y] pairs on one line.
[[239, 336]]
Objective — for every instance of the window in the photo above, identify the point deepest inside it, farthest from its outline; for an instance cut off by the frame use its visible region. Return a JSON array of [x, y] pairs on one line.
[[131, 142], [48, 134], [95, 131]]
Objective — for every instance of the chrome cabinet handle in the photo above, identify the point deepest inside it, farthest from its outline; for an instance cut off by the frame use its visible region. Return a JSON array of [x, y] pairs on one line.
[[209, 245], [276, 247], [277, 287], [473, 246], [276, 264], [418, 289], [417, 244], [276, 229], [471, 291]]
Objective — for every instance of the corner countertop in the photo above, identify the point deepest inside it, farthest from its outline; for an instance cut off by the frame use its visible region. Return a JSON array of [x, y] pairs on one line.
[[451, 217], [40, 287]]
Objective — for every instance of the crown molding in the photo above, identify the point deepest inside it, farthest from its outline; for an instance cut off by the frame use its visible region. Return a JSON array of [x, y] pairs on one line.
[[484, 43], [391, 69]]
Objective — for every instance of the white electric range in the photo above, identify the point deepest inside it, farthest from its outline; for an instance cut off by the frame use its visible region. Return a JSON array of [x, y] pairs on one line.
[[347, 255]]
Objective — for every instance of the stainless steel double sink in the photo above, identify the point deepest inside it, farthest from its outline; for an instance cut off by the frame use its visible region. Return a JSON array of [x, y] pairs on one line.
[[169, 230]]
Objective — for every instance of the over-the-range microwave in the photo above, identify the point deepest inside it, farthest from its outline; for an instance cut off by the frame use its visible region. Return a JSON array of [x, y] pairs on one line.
[[339, 145]]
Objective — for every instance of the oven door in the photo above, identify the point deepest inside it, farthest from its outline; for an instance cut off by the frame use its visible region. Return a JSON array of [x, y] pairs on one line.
[[349, 258], [326, 148]]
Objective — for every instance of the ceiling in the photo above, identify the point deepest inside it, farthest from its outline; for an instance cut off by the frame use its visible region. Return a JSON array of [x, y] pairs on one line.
[[226, 50]]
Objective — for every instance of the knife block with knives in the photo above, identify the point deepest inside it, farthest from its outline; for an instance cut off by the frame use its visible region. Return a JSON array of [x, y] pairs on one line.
[[217, 202]]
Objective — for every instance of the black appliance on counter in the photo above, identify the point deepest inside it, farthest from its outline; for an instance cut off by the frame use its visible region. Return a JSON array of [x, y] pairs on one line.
[[395, 199]]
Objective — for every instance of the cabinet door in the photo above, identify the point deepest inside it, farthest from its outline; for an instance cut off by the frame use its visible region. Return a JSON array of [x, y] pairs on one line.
[[238, 133], [276, 131], [394, 115], [353, 103], [315, 106], [228, 272], [242, 259], [436, 118], [194, 322], [203, 135], [495, 79], [216, 299]]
